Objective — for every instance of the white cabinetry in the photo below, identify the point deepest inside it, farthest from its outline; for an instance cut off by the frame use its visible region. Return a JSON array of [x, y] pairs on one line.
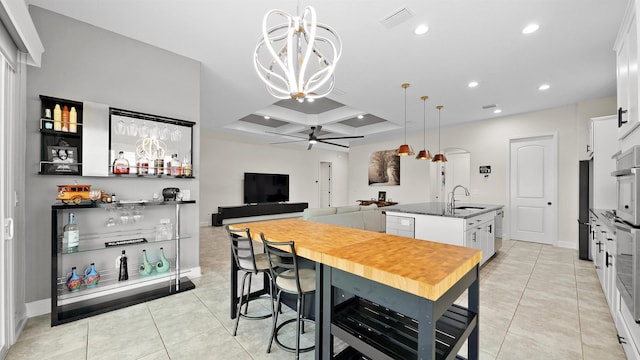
[[604, 146], [400, 225], [626, 48]]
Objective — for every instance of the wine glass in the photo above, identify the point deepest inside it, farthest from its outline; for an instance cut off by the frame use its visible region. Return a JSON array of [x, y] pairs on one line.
[[143, 130], [133, 128], [124, 216], [111, 221], [121, 127], [164, 132]]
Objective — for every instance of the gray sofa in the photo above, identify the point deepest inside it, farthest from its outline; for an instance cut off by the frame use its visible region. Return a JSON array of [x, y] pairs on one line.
[[355, 216]]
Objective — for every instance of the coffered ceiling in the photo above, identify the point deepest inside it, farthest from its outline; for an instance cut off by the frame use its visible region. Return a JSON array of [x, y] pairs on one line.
[[467, 41]]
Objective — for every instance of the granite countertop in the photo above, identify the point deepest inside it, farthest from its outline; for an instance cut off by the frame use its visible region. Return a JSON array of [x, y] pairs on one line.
[[462, 211]]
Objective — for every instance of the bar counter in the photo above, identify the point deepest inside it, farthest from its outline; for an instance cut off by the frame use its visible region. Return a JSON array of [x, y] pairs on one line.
[[416, 278]]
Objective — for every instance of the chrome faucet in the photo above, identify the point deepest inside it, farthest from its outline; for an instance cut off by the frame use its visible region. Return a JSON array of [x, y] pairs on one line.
[[452, 197]]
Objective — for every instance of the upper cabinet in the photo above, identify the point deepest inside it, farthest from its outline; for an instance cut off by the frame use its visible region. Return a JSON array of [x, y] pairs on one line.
[[92, 139], [626, 48]]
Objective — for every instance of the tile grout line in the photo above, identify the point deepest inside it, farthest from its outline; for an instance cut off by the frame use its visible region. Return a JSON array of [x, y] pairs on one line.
[[575, 278], [155, 324], [519, 300]]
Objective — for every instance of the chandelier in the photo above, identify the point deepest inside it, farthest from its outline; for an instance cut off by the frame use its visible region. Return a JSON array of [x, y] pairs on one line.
[[297, 58]]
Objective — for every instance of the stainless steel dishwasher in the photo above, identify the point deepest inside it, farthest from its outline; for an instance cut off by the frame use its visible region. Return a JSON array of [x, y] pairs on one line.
[[499, 217]]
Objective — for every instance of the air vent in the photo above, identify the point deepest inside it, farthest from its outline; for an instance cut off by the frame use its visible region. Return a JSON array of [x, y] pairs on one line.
[[397, 17], [486, 107]]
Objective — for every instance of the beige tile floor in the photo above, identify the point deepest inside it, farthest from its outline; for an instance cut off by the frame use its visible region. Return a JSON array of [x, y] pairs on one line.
[[536, 302]]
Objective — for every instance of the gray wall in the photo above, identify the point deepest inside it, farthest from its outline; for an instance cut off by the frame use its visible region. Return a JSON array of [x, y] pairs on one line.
[[85, 63]]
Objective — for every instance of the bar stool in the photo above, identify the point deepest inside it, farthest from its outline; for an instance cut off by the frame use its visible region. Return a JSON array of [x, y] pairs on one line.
[[249, 263], [290, 279]]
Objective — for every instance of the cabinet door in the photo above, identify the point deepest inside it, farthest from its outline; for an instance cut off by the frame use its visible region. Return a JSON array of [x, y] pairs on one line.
[[590, 142], [627, 64], [598, 258], [488, 248]]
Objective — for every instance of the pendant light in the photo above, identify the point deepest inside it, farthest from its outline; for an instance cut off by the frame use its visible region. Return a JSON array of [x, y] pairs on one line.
[[405, 149], [424, 154], [439, 157]]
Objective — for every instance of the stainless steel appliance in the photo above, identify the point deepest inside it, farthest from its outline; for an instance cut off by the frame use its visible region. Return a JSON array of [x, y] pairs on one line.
[[628, 266], [585, 202], [628, 185]]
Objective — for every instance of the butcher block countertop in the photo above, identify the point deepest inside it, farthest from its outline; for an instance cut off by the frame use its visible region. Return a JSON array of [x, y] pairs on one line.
[[423, 268]]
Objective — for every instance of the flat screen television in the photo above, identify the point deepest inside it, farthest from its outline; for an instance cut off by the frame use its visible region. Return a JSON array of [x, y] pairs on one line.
[[265, 188]]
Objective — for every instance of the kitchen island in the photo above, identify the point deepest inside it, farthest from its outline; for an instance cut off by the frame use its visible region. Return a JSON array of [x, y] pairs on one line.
[[470, 225], [398, 291]]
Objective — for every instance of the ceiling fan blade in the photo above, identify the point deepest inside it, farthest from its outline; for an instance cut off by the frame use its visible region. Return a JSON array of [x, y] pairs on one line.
[[330, 143], [293, 136], [341, 137], [287, 142]]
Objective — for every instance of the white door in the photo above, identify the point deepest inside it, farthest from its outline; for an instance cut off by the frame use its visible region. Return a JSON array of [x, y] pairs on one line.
[[458, 168], [325, 184], [532, 189]]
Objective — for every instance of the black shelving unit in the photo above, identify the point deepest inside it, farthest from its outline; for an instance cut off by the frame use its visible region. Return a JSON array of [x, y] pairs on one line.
[[69, 143], [110, 294]]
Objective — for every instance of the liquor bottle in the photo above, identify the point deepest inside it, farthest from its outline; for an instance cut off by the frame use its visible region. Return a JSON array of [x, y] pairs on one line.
[[120, 164], [73, 120], [57, 118], [71, 234], [142, 166], [176, 166], [65, 119], [187, 170], [123, 273], [48, 124]]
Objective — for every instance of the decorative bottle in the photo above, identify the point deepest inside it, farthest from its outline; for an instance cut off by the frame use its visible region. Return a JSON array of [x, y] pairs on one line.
[[142, 166], [65, 119], [57, 118], [123, 273], [71, 235], [176, 166], [73, 120], [159, 166], [91, 276], [187, 170], [163, 264], [146, 268], [73, 280], [120, 164]]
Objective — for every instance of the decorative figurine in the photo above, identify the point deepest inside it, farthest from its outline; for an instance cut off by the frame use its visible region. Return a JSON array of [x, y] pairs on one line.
[[91, 276], [73, 280], [163, 265], [146, 268]]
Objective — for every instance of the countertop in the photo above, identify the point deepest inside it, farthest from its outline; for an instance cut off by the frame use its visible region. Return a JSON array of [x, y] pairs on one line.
[[462, 211], [431, 270]]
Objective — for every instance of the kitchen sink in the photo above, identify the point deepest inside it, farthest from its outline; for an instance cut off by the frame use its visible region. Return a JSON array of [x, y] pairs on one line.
[[469, 208]]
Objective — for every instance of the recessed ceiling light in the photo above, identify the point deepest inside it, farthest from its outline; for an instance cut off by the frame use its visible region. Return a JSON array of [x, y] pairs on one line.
[[473, 84], [497, 111], [267, 117], [311, 100], [531, 28], [360, 116], [544, 87], [421, 29]]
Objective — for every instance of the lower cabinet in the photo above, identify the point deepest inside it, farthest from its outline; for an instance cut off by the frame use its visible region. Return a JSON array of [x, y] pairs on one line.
[[86, 275]]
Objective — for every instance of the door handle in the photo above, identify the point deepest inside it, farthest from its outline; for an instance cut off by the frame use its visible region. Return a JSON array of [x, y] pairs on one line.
[[8, 228], [620, 112]]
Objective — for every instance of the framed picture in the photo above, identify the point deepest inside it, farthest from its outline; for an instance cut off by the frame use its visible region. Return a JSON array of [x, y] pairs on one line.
[[382, 196], [384, 168], [63, 159]]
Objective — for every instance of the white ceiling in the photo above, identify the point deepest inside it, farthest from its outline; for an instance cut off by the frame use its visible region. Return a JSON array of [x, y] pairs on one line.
[[468, 40]]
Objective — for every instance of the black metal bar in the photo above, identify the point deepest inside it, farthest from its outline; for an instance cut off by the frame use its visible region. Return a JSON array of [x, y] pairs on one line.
[[474, 306]]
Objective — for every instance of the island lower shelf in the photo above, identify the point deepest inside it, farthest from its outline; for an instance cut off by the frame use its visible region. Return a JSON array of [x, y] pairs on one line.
[[386, 334]]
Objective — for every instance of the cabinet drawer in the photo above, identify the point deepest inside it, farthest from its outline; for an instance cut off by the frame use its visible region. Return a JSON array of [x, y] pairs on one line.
[[469, 223], [401, 225]]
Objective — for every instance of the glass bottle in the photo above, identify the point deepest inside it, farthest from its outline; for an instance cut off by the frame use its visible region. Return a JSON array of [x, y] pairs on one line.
[[163, 264], [65, 119], [48, 124], [71, 234], [142, 166], [73, 120], [176, 165], [187, 170], [120, 164], [57, 118], [159, 166], [123, 273]]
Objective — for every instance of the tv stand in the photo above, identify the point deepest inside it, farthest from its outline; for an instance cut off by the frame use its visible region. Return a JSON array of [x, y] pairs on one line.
[[231, 212]]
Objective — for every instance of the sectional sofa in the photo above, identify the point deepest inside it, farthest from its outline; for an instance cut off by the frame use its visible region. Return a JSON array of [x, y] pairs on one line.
[[355, 216]]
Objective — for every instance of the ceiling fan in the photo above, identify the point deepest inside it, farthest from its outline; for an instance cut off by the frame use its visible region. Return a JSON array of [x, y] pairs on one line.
[[314, 139]]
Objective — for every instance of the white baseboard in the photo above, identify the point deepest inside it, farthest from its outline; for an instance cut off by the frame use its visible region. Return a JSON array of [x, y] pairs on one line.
[[41, 307], [567, 244]]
